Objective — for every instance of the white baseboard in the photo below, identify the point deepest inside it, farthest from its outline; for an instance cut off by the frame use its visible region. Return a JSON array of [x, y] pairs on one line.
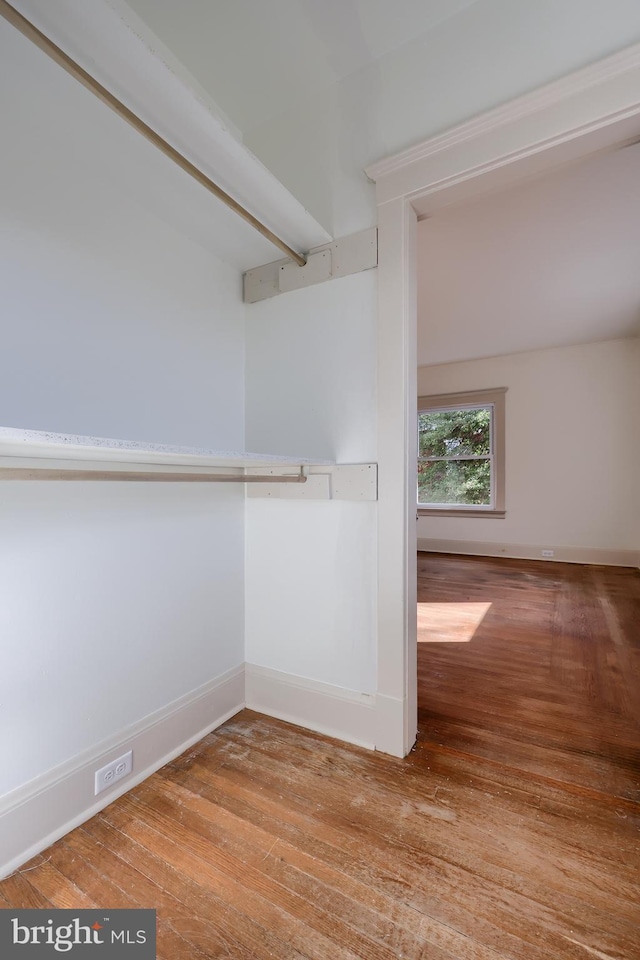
[[391, 719], [317, 706], [37, 814], [528, 551]]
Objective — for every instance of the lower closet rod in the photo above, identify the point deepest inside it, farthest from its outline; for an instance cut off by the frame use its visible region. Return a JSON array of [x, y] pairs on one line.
[[44, 473]]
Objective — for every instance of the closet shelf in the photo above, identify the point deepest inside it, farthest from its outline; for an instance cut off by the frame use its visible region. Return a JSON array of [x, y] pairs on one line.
[[30, 455], [41, 450]]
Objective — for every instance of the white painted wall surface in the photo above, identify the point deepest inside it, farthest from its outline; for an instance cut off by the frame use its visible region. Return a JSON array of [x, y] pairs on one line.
[[311, 567], [113, 322], [310, 589], [487, 54], [572, 445], [311, 371], [635, 407], [115, 600]]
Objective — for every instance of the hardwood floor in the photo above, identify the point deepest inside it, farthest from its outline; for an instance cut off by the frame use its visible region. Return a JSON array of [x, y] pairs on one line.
[[549, 682], [511, 830]]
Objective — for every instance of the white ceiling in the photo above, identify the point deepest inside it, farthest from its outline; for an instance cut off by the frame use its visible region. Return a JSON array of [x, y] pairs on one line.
[[55, 131], [552, 262], [258, 59], [323, 88]]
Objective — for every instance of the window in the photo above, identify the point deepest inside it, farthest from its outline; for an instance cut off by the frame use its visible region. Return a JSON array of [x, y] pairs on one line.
[[461, 454]]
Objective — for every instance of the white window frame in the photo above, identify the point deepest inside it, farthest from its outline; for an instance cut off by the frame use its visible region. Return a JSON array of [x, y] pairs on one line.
[[473, 400]]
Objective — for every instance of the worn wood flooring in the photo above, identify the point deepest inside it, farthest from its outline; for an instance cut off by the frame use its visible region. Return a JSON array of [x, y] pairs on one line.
[[511, 830]]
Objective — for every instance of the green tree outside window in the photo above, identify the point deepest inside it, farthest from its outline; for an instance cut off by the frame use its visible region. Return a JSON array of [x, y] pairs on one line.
[[454, 457]]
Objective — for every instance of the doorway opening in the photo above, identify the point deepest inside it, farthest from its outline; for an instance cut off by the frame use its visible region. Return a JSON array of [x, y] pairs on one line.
[[581, 116]]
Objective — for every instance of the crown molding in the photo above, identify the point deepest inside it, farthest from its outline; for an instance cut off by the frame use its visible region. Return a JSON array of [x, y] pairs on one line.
[[622, 66]]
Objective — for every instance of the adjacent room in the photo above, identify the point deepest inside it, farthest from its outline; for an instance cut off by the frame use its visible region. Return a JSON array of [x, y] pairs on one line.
[[268, 268], [529, 454]]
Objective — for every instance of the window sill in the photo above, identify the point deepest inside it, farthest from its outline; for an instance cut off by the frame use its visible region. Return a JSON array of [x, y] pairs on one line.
[[461, 512]]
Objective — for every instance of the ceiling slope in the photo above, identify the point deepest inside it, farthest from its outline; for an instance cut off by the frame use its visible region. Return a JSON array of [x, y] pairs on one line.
[[548, 263], [114, 46]]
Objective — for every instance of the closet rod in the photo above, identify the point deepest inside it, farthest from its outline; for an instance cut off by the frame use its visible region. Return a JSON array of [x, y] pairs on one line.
[[46, 473], [52, 50]]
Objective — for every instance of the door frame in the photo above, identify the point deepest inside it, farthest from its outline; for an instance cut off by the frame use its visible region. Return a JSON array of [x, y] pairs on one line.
[[591, 110]]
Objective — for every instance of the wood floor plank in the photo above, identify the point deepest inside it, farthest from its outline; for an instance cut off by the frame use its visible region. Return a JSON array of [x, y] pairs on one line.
[[196, 900], [590, 736], [59, 891], [18, 892], [204, 935], [383, 827], [351, 904], [433, 874], [511, 831], [257, 880], [192, 861], [420, 912]]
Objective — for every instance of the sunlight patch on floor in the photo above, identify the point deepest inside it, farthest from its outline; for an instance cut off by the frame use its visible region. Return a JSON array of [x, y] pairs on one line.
[[449, 622]]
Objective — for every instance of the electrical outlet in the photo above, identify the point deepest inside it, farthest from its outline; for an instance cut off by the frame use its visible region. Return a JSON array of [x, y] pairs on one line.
[[547, 553], [116, 770]]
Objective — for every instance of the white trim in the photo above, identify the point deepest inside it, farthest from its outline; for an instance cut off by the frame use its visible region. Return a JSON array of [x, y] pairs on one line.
[[494, 399], [333, 711], [397, 478], [395, 714], [592, 109], [584, 112], [537, 101], [530, 551], [35, 815]]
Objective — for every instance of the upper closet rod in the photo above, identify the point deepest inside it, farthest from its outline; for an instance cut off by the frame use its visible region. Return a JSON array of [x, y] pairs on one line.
[[49, 47]]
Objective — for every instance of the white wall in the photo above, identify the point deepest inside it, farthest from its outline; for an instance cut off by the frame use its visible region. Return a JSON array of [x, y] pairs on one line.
[[491, 52], [107, 309], [311, 567], [572, 446], [310, 588], [115, 600], [310, 368]]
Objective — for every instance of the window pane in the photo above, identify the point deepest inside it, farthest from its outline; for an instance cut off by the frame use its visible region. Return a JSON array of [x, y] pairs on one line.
[[462, 482], [455, 433]]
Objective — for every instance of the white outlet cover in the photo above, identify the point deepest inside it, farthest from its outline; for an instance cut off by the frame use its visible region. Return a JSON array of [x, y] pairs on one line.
[[112, 772]]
